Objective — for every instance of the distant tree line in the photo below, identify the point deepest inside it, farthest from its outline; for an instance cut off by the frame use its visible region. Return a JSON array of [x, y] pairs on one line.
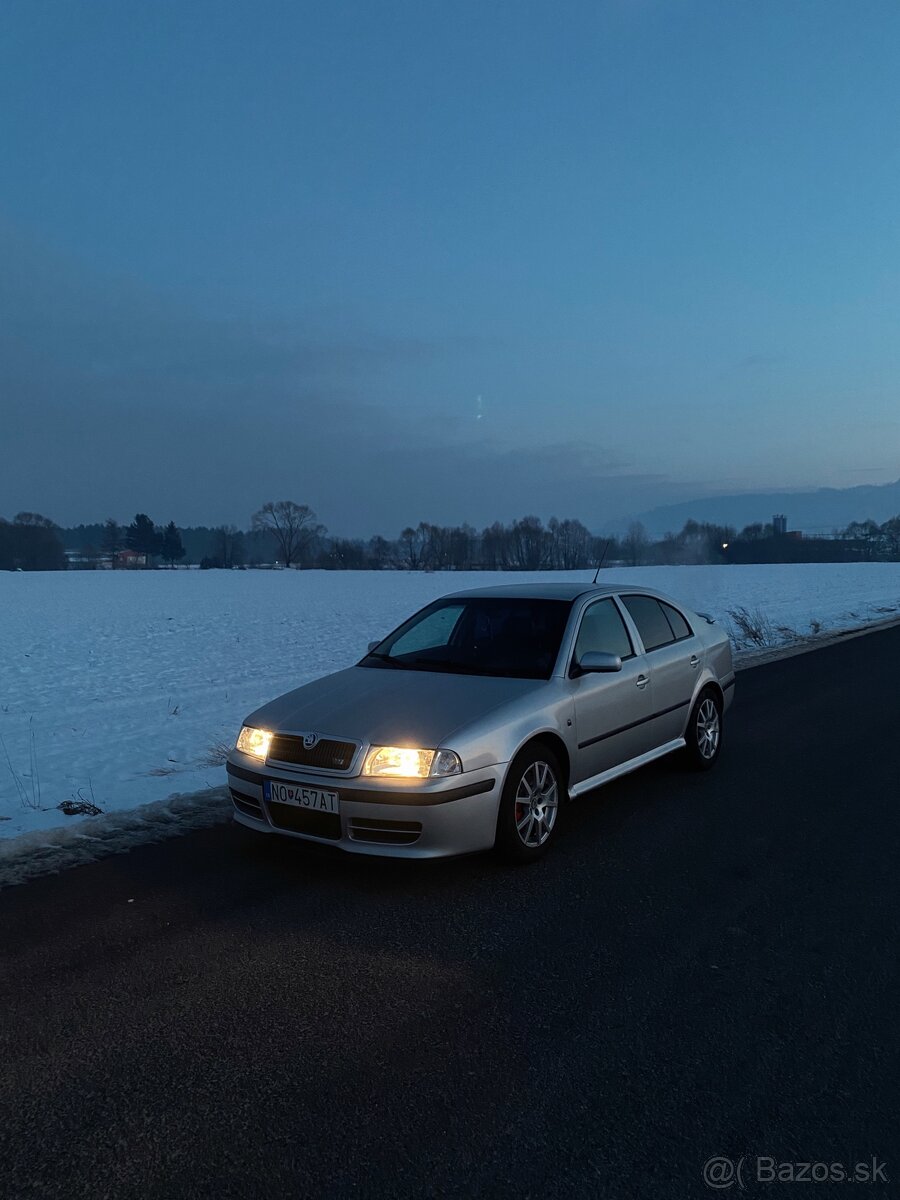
[[288, 534], [860, 541], [31, 542]]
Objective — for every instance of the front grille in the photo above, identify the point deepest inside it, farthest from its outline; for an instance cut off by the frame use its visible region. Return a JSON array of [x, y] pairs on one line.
[[247, 805], [385, 833], [301, 820], [326, 755]]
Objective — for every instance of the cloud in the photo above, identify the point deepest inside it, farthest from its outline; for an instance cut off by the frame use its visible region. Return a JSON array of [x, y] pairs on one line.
[[114, 400]]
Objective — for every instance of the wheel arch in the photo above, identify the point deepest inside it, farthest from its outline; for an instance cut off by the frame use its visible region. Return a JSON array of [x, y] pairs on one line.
[[708, 683], [551, 739], [711, 685]]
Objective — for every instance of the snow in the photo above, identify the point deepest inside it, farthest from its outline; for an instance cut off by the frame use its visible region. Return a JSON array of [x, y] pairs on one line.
[[122, 687]]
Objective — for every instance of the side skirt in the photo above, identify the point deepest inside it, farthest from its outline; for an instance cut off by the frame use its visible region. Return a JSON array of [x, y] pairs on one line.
[[625, 768]]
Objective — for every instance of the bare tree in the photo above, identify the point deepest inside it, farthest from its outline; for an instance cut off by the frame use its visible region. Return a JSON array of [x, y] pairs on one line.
[[865, 532], [293, 525], [413, 546], [495, 547], [890, 531], [531, 544], [462, 544], [570, 543], [32, 543], [635, 544], [35, 521], [379, 552], [229, 543]]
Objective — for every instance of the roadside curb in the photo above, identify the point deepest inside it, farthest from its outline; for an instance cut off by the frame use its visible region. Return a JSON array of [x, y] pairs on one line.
[[47, 851], [747, 659]]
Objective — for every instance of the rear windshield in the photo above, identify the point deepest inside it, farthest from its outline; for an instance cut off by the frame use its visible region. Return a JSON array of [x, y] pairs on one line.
[[517, 638]]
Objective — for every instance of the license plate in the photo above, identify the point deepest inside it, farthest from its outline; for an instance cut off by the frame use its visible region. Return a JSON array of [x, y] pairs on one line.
[[313, 799]]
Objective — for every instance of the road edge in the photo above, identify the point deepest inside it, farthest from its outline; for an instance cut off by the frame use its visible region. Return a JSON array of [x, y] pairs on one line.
[[746, 660], [48, 851]]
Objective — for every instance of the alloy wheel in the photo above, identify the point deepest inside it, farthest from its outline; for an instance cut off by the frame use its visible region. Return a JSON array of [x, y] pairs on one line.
[[537, 801], [708, 729]]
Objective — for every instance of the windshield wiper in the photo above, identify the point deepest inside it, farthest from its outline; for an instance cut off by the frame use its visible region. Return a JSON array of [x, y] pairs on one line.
[[385, 658], [442, 664]]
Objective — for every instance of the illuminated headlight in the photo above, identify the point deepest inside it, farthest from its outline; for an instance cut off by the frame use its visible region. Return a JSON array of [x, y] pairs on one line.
[[400, 762], [254, 741]]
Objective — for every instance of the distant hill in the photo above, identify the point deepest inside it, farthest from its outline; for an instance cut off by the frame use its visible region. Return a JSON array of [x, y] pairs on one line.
[[815, 512]]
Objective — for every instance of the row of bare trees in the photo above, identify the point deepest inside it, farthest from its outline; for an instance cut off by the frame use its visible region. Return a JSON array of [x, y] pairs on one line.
[[876, 541], [289, 533], [526, 544]]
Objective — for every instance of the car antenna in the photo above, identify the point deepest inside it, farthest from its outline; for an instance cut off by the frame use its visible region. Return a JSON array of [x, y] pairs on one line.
[[602, 557]]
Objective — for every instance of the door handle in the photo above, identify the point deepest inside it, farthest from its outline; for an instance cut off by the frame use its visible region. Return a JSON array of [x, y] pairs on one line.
[[642, 681], [695, 661]]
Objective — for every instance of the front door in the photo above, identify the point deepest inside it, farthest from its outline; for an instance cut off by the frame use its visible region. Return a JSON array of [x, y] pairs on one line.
[[612, 710]]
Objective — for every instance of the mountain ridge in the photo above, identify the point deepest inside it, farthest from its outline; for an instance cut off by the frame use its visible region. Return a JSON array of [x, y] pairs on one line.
[[816, 511]]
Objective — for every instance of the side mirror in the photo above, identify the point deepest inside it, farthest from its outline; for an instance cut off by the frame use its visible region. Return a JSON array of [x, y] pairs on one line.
[[372, 646], [599, 661]]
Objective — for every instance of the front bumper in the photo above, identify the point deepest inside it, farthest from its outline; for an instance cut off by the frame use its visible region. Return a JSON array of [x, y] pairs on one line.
[[431, 819]]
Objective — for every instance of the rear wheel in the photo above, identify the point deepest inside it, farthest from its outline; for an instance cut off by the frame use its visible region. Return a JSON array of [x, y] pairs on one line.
[[703, 737], [529, 806]]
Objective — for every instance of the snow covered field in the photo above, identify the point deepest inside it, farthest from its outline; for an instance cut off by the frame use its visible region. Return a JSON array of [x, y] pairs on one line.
[[123, 686]]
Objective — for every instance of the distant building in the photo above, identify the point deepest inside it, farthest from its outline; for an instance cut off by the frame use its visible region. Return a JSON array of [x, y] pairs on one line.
[[81, 558], [779, 525], [130, 558]]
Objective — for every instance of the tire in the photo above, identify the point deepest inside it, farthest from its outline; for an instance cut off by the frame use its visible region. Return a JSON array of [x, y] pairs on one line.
[[529, 806], [703, 736]]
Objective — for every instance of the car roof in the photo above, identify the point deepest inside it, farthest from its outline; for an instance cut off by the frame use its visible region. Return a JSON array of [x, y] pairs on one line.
[[552, 591]]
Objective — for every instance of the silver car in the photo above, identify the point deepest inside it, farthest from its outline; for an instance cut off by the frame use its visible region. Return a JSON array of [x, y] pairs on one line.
[[467, 727]]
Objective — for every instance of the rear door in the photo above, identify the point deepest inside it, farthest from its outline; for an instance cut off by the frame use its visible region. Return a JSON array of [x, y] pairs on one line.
[[612, 710], [674, 655]]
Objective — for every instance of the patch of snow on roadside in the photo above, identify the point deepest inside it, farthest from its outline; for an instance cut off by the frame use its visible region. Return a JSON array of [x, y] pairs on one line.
[[44, 851]]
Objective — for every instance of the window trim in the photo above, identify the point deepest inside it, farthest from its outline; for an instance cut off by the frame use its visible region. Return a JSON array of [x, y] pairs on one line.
[[664, 604], [675, 640], [573, 666]]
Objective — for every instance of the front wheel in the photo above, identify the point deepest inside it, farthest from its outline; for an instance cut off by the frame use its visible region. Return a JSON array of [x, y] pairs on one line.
[[529, 806], [703, 737]]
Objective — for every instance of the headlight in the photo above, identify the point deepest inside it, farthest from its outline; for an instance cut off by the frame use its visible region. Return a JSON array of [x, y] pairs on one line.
[[254, 741], [401, 762]]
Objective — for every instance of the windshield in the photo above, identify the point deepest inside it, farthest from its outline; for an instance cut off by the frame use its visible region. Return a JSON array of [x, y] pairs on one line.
[[514, 637]]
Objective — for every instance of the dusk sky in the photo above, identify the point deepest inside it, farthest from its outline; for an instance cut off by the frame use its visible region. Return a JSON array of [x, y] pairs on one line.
[[445, 261]]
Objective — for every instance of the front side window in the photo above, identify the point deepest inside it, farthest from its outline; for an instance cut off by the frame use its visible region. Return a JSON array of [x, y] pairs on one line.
[[651, 621], [514, 637], [602, 628]]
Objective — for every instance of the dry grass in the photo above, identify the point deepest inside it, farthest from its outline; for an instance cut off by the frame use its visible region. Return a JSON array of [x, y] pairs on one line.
[[216, 754], [751, 629], [28, 787]]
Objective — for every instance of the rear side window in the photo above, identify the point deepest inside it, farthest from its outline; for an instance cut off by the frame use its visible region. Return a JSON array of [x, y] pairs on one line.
[[603, 629], [680, 627], [651, 621]]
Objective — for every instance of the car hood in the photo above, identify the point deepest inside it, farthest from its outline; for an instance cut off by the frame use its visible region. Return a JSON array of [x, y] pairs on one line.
[[388, 706]]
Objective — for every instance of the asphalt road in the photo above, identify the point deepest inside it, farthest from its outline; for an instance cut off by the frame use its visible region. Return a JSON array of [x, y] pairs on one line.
[[705, 965]]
